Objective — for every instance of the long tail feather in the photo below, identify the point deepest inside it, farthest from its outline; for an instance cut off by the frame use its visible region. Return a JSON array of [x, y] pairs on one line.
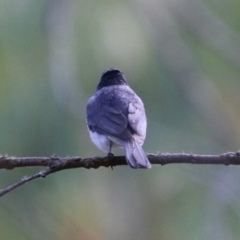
[[136, 157]]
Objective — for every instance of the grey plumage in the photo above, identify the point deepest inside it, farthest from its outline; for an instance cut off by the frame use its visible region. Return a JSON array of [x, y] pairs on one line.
[[136, 157], [116, 117]]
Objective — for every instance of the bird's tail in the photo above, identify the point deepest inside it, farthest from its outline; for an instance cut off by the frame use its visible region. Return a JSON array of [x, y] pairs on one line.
[[135, 156]]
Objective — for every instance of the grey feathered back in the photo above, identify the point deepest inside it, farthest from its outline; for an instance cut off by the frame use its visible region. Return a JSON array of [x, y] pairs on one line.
[[115, 111]]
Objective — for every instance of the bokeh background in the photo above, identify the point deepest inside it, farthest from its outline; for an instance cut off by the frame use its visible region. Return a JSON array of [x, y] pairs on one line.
[[181, 56]]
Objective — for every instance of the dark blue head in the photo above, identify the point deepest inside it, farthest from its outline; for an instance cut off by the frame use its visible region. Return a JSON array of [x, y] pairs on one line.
[[111, 77]]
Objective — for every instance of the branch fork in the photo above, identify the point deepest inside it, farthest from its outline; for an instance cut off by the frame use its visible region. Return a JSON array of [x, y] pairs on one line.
[[56, 164]]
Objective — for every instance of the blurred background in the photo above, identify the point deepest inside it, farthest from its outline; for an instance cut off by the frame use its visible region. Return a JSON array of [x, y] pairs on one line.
[[182, 57]]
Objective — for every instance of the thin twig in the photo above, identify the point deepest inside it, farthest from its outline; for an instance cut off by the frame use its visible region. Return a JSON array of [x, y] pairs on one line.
[[56, 163], [24, 180]]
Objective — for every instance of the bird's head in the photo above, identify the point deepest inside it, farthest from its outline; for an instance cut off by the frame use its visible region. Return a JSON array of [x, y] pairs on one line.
[[111, 77]]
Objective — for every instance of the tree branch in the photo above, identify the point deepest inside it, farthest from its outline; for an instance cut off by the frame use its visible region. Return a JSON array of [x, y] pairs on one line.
[[55, 163]]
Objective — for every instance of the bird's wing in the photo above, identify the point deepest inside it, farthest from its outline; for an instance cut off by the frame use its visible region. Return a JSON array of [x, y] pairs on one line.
[[137, 120], [107, 120]]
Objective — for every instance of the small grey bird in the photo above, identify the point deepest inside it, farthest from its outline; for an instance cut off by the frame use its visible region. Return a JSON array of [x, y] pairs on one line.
[[116, 117]]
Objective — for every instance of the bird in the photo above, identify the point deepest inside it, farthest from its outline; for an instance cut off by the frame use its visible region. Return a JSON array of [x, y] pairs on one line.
[[116, 118]]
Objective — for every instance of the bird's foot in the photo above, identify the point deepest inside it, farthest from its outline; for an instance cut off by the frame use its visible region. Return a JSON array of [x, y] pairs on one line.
[[110, 155]]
